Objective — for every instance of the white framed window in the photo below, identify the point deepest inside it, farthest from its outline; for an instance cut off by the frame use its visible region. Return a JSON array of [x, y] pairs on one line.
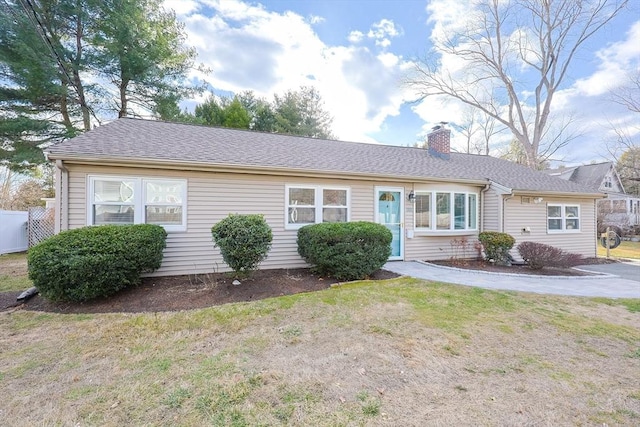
[[307, 204], [445, 211], [136, 200], [563, 218]]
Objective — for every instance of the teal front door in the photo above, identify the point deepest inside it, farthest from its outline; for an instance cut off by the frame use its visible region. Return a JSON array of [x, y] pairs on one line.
[[389, 212]]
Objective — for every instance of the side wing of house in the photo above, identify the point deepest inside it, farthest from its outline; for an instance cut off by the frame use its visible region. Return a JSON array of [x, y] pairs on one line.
[[565, 223]]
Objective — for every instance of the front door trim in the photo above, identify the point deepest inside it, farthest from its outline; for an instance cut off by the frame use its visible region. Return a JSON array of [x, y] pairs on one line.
[[400, 221]]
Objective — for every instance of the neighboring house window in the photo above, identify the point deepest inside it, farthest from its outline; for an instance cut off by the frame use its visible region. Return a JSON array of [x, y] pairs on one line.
[[607, 182], [563, 218], [117, 200], [451, 211], [313, 204]]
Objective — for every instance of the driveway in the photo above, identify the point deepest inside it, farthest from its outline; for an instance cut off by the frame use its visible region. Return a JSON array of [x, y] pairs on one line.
[[621, 280], [627, 270]]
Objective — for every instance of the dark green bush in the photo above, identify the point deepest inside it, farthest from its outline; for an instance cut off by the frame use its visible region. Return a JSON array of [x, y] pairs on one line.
[[91, 262], [345, 250], [497, 246], [244, 241], [538, 255]]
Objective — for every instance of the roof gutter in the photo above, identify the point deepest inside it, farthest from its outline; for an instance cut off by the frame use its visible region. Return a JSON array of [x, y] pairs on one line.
[[560, 194]]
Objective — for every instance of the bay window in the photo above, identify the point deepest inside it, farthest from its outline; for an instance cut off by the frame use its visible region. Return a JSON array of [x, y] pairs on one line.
[[452, 211], [133, 200]]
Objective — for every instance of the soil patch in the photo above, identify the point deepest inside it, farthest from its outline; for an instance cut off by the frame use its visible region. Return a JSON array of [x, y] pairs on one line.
[[520, 268], [172, 293]]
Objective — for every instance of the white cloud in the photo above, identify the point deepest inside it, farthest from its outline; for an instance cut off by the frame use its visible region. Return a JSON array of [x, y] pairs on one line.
[[250, 48], [181, 7], [616, 61], [355, 36], [314, 19], [383, 31]]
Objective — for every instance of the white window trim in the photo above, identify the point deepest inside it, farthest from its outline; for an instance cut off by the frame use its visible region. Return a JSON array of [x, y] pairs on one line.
[[318, 203], [563, 218], [433, 217], [139, 195]]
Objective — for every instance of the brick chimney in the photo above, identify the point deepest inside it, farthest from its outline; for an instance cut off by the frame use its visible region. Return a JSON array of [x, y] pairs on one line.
[[439, 142]]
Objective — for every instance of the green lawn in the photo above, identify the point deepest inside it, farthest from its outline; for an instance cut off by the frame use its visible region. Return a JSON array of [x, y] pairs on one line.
[[13, 272], [394, 352], [629, 250]]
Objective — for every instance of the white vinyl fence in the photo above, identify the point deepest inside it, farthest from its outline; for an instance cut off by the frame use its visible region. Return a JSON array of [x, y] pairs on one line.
[[13, 231]]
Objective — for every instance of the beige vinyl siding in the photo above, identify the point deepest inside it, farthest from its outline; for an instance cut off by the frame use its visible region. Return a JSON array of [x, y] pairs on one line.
[[519, 215], [491, 210], [210, 198]]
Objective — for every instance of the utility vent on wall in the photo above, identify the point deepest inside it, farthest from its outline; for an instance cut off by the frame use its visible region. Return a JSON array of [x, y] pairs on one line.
[[525, 200]]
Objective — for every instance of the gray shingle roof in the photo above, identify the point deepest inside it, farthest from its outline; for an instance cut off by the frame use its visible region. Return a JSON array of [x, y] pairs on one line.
[[590, 176], [131, 139]]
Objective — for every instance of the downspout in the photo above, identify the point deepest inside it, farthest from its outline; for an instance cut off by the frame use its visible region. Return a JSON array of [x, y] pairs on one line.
[[503, 201], [62, 198], [482, 204]]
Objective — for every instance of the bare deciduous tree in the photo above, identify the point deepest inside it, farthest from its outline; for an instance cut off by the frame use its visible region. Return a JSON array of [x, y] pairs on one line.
[[477, 129], [510, 58]]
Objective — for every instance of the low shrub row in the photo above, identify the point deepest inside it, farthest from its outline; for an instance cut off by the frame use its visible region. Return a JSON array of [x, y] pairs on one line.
[[345, 250], [91, 262]]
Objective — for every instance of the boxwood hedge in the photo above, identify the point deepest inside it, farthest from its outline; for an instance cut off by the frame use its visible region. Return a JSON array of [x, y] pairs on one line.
[[244, 241], [90, 262], [497, 246], [345, 250]]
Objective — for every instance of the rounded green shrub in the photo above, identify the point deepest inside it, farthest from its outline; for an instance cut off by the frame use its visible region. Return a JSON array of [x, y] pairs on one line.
[[497, 246], [244, 241], [90, 262], [345, 250]]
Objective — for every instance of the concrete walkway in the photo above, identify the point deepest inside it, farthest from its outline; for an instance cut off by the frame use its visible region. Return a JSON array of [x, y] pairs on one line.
[[606, 285]]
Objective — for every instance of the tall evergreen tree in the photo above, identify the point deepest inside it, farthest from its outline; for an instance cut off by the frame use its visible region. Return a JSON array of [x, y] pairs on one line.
[[65, 62]]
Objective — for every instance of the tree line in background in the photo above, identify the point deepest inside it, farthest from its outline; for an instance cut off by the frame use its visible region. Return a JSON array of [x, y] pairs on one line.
[[300, 112]]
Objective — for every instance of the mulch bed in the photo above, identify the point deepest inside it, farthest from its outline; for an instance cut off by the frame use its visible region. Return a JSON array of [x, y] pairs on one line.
[[521, 268], [172, 293]]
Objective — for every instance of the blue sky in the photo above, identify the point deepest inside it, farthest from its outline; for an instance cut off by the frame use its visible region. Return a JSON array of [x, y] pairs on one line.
[[356, 53]]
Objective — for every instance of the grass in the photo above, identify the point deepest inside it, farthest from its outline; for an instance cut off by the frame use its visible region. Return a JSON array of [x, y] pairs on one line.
[[627, 249], [13, 272], [363, 353]]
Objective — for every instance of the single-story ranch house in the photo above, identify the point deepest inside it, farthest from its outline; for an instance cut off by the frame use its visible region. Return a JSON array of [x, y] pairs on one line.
[[187, 178]]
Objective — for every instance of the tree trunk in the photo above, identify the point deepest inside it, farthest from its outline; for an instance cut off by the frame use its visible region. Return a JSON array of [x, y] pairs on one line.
[[123, 97], [86, 118]]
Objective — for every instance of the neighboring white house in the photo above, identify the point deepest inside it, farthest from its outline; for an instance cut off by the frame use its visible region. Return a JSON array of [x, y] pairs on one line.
[[618, 209], [188, 177]]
